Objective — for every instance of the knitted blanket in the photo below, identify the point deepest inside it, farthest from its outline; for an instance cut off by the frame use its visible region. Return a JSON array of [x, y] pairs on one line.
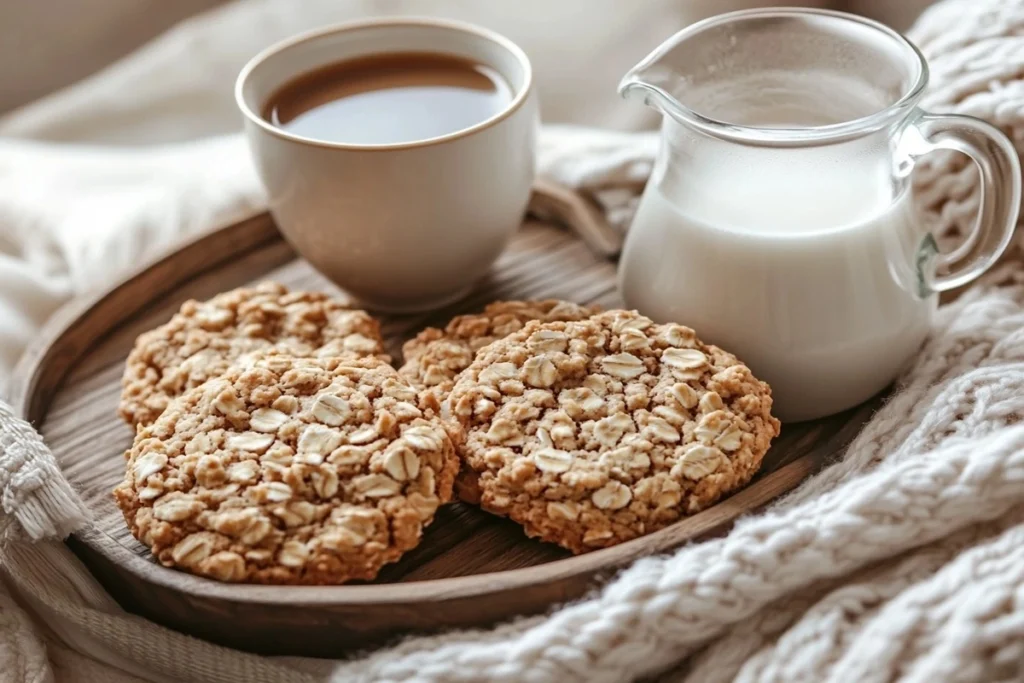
[[901, 561]]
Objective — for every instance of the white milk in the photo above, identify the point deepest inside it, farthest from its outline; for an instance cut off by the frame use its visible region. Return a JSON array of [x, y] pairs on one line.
[[800, 261]]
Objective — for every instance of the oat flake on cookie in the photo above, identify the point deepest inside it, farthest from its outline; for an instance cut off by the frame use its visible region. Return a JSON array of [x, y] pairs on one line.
[[435, 357], [594, 432], [289, 471], [204, 338]]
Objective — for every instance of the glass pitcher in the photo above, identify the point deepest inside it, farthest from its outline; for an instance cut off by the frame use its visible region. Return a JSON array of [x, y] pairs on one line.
[[778, 220]]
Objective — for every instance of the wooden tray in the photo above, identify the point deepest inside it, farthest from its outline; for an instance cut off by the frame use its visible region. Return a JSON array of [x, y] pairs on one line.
[[472, 569]]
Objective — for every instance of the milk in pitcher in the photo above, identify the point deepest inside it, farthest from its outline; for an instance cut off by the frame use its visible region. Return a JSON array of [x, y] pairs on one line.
[[778, 221], [806, 265]]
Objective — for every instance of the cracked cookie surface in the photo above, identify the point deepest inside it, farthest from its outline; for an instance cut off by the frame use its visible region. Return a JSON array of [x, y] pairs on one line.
[[435, 357], [594, 432], [288, 471], [204, 338]]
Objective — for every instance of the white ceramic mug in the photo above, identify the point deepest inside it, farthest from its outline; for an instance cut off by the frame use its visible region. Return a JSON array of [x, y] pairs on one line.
[[401, 227]]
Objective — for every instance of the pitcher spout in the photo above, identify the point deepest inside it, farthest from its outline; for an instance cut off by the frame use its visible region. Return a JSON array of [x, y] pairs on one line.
[[634, 87], [656, 80]]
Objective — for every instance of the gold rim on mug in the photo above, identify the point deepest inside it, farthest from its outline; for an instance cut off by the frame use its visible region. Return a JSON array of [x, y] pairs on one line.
[[359, 25]]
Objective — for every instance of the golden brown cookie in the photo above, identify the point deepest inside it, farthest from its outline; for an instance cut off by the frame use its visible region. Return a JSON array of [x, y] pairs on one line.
[[204, 338], [288, 471], [434, 357], [594, 432]]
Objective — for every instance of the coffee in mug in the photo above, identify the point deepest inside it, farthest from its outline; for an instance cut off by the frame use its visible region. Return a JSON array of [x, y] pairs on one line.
[[389, 98]]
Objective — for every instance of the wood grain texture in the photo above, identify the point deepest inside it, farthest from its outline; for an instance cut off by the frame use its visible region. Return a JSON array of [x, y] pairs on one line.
[[472, 569]]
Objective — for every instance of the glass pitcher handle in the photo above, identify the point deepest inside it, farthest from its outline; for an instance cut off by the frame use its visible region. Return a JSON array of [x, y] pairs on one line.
[[1000, 192]]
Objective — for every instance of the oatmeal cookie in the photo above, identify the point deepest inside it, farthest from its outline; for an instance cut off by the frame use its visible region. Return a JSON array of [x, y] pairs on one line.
[[288, 471], [594, 432], [434, 357], [204, 338]]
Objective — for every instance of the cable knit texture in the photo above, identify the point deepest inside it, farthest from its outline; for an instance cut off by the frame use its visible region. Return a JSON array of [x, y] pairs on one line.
[[902, 561], [32, 490]]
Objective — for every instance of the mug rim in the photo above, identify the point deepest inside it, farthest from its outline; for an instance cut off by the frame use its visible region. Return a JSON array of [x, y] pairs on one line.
[[784, 137], [361, 24]]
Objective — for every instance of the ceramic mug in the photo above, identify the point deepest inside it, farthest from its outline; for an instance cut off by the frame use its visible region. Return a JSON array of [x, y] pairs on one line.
[[401, 227]]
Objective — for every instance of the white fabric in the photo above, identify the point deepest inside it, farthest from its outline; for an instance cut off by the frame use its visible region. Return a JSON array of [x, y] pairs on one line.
[[74, 218], [900, 562]]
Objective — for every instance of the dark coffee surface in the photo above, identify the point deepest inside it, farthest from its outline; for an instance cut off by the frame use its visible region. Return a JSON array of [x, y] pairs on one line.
[[388, 99]]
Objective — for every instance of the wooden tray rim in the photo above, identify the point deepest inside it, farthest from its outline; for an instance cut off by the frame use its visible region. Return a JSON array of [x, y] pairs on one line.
[[32, 379]]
